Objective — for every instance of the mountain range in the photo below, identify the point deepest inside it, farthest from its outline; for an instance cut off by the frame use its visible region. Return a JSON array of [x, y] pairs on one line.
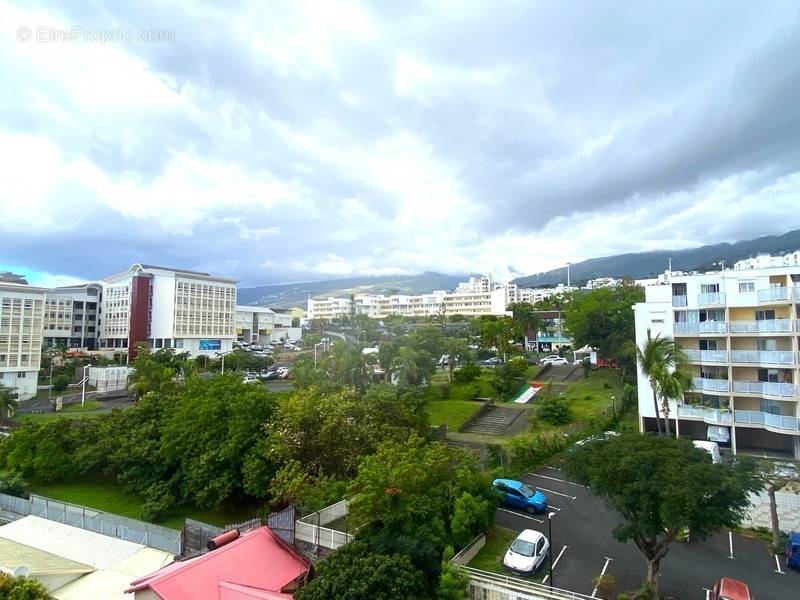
[[636, 265]]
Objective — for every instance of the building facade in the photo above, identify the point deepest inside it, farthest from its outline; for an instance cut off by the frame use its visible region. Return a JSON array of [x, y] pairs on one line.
[[72, 316], [22, 310], [168, 308], [261, 325], [740, 330]]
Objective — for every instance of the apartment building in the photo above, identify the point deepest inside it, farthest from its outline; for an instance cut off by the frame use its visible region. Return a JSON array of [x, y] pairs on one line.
[[261, 325], [21, 320], [766, 261], [168, 308], [740, 330], [72, 316]]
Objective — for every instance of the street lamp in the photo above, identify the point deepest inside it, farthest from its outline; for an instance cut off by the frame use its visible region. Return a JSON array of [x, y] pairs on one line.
[[550, 537], [83, 384]]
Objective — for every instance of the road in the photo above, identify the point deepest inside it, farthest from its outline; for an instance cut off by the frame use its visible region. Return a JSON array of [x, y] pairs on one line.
[[583, 525]]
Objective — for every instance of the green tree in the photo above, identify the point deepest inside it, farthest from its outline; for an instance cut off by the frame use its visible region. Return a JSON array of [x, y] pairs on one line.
[[453, 583], [456, 351], [411, 367], [498, 332], [21, 588], [12, 482], [554, 409], [660, 486], [355, 572], [525, 318], [662, 361], [156, 371], [8, 404], [603, 319], [60, 383]]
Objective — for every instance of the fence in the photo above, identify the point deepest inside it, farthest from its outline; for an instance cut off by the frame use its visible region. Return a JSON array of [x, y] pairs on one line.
[[484, 585], [117, 526], [196, 534], [311, 528], [787, 503], [469, 551]]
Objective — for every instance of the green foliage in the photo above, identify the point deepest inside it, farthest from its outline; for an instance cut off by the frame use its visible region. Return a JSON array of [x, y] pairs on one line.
[[453, 582], [292, 484], [21, 588], [555, 410], [156, 371], [663, 363], [467, 373], [470, 515], [60, 383], [660, 486], [12, 482], [355, 572], [505, 380], [498, 332], [8, 404], [428, 339], [586, 365], [524, 318], [528, 451], [412, 367], [518, 366]]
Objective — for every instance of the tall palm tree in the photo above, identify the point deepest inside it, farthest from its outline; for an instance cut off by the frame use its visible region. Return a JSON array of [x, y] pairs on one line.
[[525, 319], [406, 366], [658, 359]]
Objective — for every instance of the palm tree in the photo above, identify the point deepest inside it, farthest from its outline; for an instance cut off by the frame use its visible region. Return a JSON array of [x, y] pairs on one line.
[[525, 319], [7, 404], [659, 358], [406, 366]]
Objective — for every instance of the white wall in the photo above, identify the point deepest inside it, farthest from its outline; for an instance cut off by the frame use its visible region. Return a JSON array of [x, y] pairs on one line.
[[647, 316], [25, 386], [163, 306], [192, 346]]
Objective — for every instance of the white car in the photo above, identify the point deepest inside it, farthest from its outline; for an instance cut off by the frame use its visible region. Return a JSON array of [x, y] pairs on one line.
[[599, 437], [554, 360], [527, 553]]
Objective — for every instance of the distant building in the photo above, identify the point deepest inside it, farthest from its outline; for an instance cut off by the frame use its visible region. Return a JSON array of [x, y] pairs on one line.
[[261, 325], [72, 316], [9, 277], [768, 261], [21, 320], [168, 308]]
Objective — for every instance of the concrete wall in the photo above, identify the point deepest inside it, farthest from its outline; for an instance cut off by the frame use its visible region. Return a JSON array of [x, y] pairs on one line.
[[788, 504]]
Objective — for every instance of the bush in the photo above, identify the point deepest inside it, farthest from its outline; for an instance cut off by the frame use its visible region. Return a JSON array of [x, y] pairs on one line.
[[469, 372], [21, 588], [555, 410], [444, 391], [60, 383], [13, 483], [504, 381], [606, 585], [518, 366]]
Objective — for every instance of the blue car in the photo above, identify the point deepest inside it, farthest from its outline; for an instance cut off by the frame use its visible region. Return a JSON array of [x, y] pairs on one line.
[[516, 494], [793, 550]]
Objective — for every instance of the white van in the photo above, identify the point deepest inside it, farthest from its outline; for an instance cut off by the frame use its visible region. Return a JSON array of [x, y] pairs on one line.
[[711, 447]]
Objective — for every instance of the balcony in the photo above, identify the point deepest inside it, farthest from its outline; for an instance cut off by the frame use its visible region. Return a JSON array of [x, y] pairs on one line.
[[711, 298], [764, 326], [709, 415], [763, 357], [774, 294], [683, 328], [679, 301], [769, 421], [711, 385], [707, 356], [765, 388]]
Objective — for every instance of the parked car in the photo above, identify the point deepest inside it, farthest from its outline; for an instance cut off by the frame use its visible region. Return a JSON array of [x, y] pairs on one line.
[[793, 550], [249, 378], [788, 470], [599, 437], [527, 552], [270, 375], [491, 362], [711, 447], [730, 589], [556, 360], [519, 495]]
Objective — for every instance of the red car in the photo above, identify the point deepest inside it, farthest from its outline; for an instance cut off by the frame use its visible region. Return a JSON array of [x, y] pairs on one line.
[[730, 589]]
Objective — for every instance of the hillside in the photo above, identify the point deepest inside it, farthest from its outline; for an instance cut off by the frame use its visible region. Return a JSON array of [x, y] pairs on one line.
[[296, 294], [649, 264]]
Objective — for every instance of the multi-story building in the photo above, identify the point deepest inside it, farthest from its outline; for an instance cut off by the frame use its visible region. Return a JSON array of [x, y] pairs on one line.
[[261, 325], [740, 330], [766, 261], [21, 319], [72, 316], [168, 308]]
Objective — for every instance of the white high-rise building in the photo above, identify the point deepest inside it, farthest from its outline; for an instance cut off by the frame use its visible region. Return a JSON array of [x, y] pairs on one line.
[[741, 332], [21, 319]]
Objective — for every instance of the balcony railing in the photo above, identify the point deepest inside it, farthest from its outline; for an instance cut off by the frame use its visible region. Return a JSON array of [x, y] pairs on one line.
[[711, 385], [709, 415], [765, 388], [764, 326], [766, 357], [711, 298], [679, 301], [720, 356], [683, 328], [773, 294], [757, 417]]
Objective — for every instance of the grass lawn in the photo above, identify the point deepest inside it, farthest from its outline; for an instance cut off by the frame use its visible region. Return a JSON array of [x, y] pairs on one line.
[[453, 413], [106, 495], [591, 395], [490, 557], [91, 408]]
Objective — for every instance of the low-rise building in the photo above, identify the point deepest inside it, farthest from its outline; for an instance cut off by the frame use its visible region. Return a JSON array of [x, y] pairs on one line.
[[261, 325], [21, 320]]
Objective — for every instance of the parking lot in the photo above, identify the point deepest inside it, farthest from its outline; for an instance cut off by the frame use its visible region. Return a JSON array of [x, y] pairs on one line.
[[583, 547]]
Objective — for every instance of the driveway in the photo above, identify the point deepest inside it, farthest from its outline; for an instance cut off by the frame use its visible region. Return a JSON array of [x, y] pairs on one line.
[[583, 548]]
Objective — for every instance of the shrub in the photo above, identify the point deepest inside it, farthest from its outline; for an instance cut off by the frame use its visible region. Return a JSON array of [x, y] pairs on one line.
[[606, 585], [444, 391], [555, 410], [13, 483], [518, 366], [60, 383], [469, 372], [21, 588]]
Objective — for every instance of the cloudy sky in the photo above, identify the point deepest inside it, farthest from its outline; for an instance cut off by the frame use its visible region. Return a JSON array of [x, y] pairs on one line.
[[290, 141]]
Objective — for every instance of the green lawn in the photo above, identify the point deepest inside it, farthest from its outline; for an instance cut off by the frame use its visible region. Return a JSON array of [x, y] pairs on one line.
[[591, 395], [106, 495], [91, 408], [453, 413], [490, 557], [463, 391]]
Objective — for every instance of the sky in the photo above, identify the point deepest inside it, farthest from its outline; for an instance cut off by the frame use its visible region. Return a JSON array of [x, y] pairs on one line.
[[292, 141]]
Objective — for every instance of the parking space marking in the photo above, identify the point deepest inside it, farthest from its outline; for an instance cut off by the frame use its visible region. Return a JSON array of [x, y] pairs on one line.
[[778, 564], [555, 479], [555, 562], [556, 493], [513, 512], [708, 593], [555, 508], [730, 542], [600, 578]]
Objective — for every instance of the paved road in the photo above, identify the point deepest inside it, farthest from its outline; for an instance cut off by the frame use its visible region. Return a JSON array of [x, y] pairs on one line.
[[583, 524]]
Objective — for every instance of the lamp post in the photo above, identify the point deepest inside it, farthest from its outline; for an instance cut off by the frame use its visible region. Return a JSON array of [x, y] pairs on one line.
[[83, 384], [550, 537]]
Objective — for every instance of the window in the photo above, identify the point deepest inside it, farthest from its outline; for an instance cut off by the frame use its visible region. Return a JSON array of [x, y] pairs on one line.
[[21, 374], [745, 287], [765, 315]]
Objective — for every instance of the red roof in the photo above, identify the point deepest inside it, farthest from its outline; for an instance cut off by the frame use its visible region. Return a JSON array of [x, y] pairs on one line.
[[254, 567]]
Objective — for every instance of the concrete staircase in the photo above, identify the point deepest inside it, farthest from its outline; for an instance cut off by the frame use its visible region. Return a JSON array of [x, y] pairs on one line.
[[494, 420]]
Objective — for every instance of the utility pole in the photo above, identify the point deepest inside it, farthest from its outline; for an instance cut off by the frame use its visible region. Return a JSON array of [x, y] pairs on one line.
[[568, 264]]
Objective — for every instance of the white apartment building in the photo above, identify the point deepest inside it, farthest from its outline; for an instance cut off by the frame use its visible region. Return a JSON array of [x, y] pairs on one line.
[[168, 308], [740, 329], [767, 261], [21, 320], [261, 325], [72, 316]]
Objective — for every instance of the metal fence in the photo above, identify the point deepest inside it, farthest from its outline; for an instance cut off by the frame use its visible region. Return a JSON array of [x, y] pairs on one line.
[[493, 586], [311, 528], [196, 534], [117, 526]]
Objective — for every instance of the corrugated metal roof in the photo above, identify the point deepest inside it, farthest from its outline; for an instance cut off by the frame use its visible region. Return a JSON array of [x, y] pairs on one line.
[[14, 554]]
